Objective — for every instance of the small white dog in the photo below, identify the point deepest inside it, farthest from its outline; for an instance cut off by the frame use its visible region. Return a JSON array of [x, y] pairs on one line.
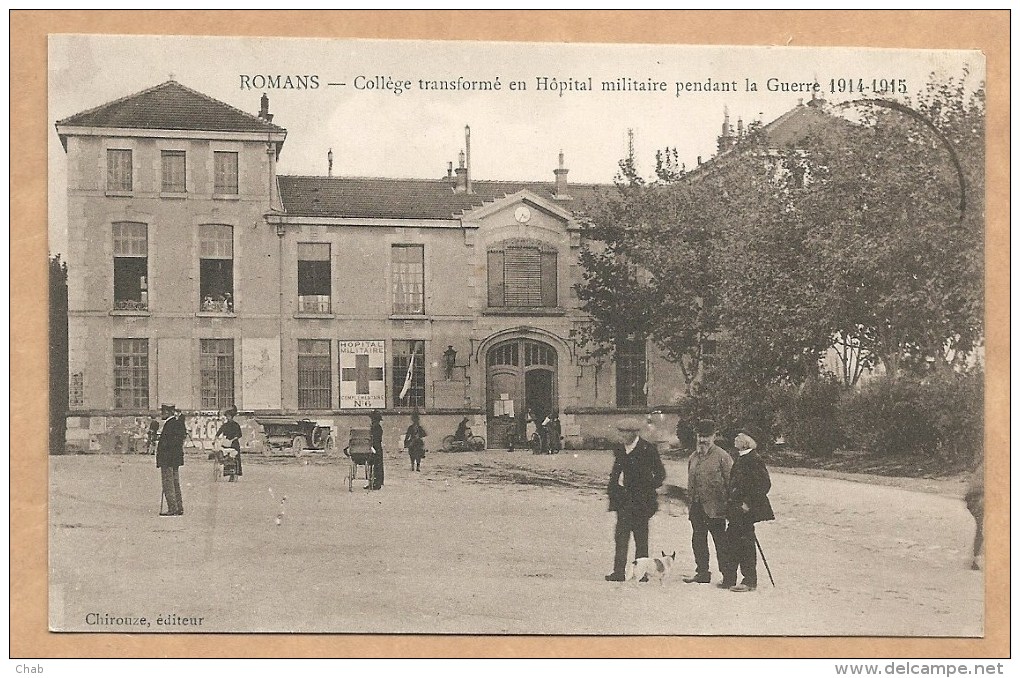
[[646, 569]]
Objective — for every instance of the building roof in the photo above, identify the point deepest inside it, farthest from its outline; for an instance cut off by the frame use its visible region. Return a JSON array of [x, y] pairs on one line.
[[170, 105], [797, 124], [378, 198]]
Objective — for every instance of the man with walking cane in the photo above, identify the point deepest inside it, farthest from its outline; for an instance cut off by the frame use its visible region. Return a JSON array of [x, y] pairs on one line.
[[747, 504], [169, 459]]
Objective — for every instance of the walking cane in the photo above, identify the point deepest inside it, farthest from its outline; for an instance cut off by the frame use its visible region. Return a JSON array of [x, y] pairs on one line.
[[758, 544], [162, 496]]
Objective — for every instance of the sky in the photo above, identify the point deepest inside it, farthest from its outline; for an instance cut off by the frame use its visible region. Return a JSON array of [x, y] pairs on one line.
[[515, 134]]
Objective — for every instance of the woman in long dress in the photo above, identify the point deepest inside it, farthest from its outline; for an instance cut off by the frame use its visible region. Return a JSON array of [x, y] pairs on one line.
[[231, 431]]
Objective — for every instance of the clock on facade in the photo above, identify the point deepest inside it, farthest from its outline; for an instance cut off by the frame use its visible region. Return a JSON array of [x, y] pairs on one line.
[[522, 214]]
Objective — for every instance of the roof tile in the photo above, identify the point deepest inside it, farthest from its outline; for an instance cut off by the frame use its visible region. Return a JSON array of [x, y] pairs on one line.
[[170, 105]]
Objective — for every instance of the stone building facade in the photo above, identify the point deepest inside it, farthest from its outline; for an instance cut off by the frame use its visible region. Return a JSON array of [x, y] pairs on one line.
[[199, 276]]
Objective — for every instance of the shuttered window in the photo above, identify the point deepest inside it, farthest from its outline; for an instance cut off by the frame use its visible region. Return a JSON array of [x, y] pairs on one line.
[[225, 171], [173, 172], [522, 276], [118, 170], [314, 378]]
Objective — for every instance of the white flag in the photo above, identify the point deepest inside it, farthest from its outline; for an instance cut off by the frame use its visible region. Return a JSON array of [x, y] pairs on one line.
[[407, 379]]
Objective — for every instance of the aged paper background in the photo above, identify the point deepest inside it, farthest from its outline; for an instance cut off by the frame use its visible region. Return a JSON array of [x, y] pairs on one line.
[[987, 31]]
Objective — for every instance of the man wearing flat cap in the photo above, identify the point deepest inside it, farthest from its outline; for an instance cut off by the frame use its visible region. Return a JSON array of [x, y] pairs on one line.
[[637, 473], [170, 458], [747, 504], [708, 479]]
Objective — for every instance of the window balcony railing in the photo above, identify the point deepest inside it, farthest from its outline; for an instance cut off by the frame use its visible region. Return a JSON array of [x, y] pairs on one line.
[[313, 303]]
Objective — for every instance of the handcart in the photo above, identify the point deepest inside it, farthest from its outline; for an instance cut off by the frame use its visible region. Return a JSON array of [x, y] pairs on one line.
[[361, 453]]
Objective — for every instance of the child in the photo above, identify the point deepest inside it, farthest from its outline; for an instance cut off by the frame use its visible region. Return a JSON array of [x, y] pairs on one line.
[[747, 504]]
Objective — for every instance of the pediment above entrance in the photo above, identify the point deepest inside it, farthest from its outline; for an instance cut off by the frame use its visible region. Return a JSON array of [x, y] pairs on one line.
[[522, 211]]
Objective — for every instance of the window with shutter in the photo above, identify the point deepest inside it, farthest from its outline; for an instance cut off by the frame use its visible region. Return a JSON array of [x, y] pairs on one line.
[[522, 274], [174, 172], [225, 170], [118, 170], [314, 377]]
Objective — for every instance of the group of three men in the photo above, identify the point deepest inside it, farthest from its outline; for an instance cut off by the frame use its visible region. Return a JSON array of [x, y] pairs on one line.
[[726, 497]]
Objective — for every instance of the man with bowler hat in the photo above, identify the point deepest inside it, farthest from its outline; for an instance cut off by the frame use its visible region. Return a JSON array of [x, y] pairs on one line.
[[637, 473], [170, 459], [708, 479]]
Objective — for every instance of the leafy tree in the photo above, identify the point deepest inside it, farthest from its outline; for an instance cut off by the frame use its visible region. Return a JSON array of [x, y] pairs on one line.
[[852, 238]]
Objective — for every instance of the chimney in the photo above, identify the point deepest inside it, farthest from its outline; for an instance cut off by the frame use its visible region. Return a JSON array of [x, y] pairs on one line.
[[264, 110], [699, 161], [329, 158], [467, 147], [449, 171], [561, 180], [740, 127], [462, 175]]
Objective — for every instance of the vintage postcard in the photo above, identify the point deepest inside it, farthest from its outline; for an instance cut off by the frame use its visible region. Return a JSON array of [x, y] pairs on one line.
[[414, 337]]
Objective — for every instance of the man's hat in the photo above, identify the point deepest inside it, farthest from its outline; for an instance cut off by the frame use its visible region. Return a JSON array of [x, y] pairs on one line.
[[705, 427], [232, 411], [751, 432], [167, 407], [629, 425], [375, 416]]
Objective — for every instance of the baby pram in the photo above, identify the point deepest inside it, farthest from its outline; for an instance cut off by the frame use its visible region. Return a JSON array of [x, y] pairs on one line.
[[227, 463], [361, 453]]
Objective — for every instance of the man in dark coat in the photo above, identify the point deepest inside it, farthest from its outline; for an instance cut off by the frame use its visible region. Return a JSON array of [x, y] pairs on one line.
[[748, 504], [170, 458], [637, 473], [708, 479], [376, 432]]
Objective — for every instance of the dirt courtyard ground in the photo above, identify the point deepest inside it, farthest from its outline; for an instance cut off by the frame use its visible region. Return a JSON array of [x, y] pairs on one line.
[[484, 543]]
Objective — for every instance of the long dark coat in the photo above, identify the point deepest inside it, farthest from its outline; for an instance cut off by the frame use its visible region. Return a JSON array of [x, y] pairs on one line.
[[170, 448], [642, 472], [749, 486], [377, 437]]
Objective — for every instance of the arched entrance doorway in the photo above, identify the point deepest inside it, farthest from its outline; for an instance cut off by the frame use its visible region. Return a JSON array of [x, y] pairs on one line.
[[520, 375]]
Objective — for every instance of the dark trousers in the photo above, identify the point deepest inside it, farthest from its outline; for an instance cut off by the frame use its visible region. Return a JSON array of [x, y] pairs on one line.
[[701, 525], [628, 523], [171, 479], [740, 553]]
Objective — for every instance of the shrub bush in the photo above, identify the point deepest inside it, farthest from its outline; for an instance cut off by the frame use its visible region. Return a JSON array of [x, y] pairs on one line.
[[810, 419], [941, 414]]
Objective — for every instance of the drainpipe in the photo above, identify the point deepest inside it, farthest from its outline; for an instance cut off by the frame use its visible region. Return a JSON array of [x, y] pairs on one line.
[[280, 231]]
